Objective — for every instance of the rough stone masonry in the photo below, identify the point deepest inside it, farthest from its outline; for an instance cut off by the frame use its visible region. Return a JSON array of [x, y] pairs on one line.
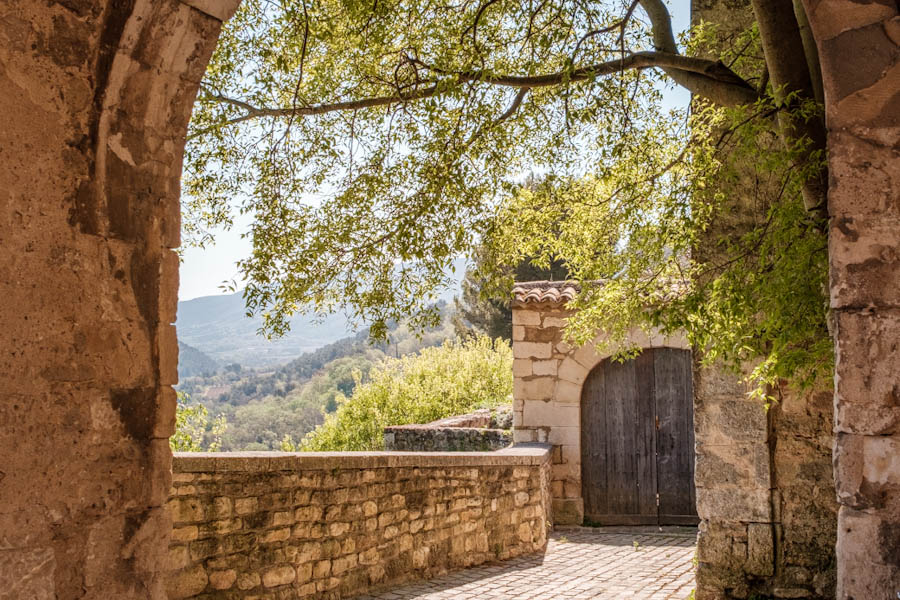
[[333, 525]]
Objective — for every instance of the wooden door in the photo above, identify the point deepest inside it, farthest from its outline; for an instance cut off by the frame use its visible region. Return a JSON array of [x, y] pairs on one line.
[[637, 441]]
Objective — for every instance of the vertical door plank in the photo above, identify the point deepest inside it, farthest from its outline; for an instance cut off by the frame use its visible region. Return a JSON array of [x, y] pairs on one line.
[[593, 445], [644, 427], [675, 448], [621, 415]]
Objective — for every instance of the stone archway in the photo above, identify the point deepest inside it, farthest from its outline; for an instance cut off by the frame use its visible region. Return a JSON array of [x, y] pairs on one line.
[[95, 97], [549, 375]]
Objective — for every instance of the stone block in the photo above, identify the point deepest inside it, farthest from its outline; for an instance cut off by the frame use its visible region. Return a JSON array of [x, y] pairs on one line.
[[733, 504], [565, 436], [868, 544], [723, 421], [567, 511], [280, 575], [566, 392], [550, 414], [867, 398], [222, 580], [523, 435], [865, 259], [518, 333], [545, 367], [522, 367], [554, 321], [571, 454], [540, 350], [587, 356], [168, 354], [566, 472], [536, 388], [760, 549], [187, 583], [522, 316], [572, 371]]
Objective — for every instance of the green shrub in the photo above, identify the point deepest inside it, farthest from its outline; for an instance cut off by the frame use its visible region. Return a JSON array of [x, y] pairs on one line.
[[194, 430], [438, 382]]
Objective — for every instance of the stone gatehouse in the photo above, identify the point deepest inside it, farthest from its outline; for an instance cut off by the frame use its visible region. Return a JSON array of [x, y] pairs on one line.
[[758, 481]]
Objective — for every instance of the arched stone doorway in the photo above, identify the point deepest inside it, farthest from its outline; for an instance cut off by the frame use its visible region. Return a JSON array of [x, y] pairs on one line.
[[637, 441]]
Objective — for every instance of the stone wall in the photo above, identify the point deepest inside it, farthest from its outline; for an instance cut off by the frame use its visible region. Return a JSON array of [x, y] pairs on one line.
[[95, 97], [764, 489], [764, 492], [425, 438], [332, 525], [548, 377], [480, 431]]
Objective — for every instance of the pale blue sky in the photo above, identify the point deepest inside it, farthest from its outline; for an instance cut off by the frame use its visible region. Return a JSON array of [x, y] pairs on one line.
[[204, 270]]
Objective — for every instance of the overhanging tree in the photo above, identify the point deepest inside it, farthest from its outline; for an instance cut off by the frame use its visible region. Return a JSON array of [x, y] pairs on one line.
[[409, 123]]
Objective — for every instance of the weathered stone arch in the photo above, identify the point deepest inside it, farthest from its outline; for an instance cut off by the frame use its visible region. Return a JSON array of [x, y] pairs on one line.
[[95, 98], [859, 48]]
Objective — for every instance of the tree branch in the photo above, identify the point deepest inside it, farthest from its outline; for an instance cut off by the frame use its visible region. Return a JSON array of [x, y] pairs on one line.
[[779, 32], [723, 85], [697, 83]]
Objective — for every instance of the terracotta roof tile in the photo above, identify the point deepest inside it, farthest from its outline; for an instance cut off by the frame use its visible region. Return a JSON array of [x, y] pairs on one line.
[[539, 292]]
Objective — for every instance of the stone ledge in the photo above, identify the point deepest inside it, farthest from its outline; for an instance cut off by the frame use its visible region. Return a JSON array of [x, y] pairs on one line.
[[196, 462]]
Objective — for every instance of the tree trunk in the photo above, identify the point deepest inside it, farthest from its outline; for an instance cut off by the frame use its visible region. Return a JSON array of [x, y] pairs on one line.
[[790, 74]]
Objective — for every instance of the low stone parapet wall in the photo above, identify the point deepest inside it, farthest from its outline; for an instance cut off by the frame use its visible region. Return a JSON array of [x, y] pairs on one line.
[[334, 525], [428, 438]]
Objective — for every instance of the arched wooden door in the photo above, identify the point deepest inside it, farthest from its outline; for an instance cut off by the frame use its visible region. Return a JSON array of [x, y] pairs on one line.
[[637, 441]]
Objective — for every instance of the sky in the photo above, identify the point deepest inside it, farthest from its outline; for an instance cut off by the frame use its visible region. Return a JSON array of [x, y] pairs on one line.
[[203, 271]]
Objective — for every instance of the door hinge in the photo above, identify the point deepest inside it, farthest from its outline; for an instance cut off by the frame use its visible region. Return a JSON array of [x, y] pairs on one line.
[[657, 499], [657, 422]]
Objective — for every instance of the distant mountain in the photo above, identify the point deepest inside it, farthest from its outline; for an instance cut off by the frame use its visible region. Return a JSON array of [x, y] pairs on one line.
[[218, 326], [194, 363]]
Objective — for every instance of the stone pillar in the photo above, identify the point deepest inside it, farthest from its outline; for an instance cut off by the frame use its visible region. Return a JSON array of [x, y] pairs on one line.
[[95, 98], [733, 477], [547, 400], [859, 47]]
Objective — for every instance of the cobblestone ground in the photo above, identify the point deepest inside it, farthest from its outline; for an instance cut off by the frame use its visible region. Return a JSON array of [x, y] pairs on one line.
[[580, 563]]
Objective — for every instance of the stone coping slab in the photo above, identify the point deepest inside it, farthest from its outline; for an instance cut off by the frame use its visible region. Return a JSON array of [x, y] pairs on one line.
[[197, 462]]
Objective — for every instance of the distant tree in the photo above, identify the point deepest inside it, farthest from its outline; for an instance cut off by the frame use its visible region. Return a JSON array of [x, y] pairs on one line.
[[482, 308], [194, 431]]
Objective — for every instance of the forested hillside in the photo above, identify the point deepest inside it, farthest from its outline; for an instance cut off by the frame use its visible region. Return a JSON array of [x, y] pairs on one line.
[[263, 405], [193, 362]]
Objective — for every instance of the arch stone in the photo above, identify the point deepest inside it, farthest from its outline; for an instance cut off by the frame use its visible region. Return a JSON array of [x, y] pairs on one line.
[[96, 97]]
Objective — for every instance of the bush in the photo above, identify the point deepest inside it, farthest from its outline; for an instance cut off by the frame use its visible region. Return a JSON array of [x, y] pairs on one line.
[[438, 382], [194, 430]]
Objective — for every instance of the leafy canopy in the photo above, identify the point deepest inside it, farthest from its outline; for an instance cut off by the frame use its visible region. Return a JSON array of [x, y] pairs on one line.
[[373, 142]]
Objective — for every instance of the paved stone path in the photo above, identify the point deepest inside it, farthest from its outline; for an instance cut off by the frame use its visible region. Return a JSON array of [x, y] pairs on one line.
[[580, 563]]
